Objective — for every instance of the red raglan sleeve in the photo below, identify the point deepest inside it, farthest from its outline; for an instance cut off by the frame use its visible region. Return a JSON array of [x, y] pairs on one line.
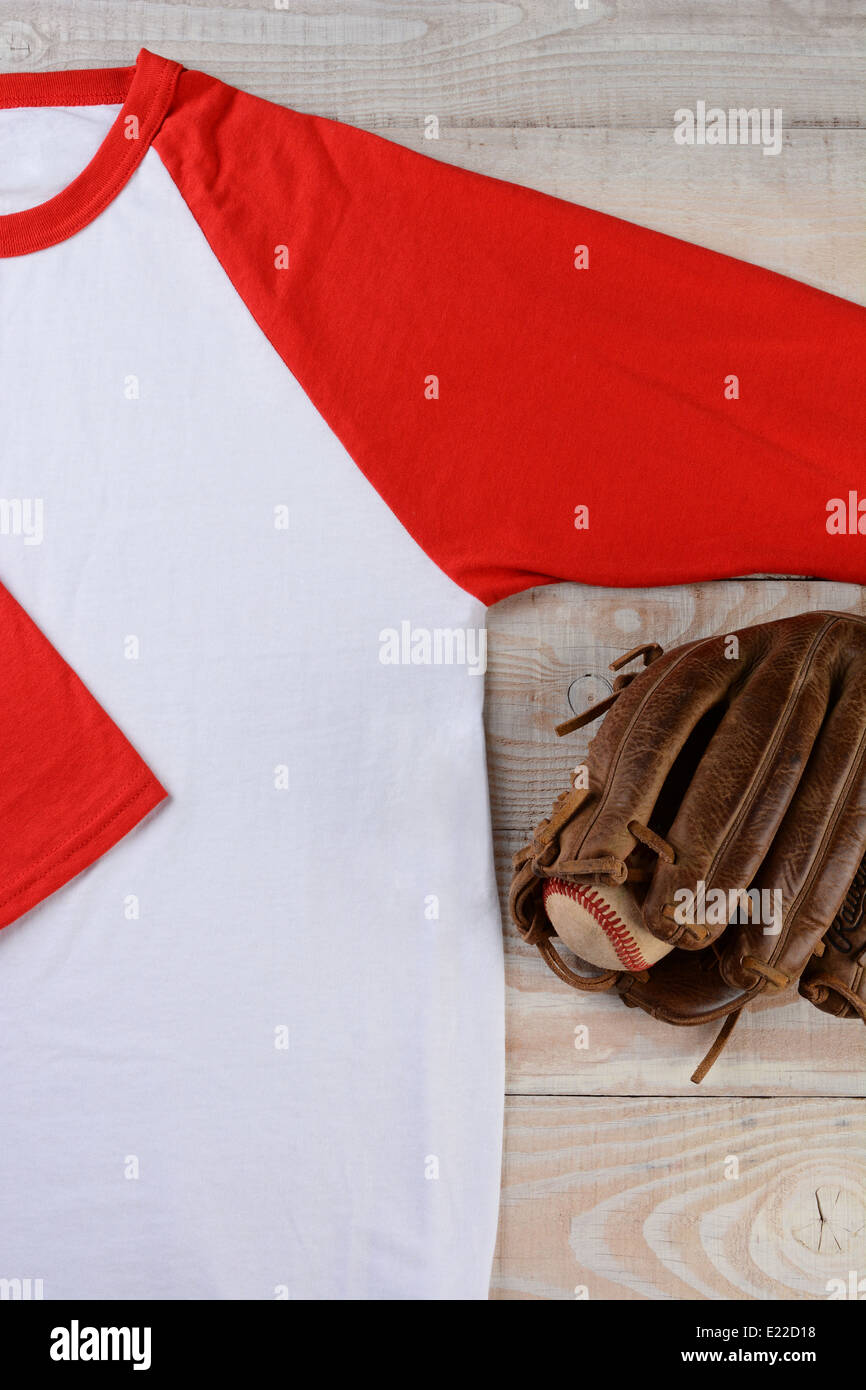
[[71, 785], [537, 390]]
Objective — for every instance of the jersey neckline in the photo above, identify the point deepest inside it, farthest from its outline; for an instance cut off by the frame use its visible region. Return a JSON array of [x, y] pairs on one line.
[[145, 91]]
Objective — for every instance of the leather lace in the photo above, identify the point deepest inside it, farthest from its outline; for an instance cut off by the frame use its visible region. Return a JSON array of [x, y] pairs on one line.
[[650, 651], [718, 1046], [817, 992]]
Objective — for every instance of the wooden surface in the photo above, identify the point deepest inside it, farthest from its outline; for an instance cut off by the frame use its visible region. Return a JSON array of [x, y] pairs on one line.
[[681, 1199], [619, 1180]]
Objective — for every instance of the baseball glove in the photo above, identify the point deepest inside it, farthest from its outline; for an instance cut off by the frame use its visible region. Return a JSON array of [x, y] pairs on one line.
[[737, 762]]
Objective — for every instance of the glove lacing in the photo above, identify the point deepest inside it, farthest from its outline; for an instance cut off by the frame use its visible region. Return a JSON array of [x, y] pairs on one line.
[[817, 992]]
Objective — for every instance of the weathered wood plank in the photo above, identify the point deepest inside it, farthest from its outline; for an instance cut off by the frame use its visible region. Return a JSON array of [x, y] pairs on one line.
[[699, 1199], [616, 63]]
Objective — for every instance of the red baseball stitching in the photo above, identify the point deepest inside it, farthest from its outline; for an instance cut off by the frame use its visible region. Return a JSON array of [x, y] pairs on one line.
[[614, 928]]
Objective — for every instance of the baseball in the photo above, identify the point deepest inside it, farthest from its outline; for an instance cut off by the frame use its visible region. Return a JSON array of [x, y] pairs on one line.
[[602, 924]]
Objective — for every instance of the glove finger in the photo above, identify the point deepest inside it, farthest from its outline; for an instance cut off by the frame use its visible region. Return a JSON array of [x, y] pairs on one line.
[[525, 901], [816, 855], [742, 787], [835, 981], [643, 753]]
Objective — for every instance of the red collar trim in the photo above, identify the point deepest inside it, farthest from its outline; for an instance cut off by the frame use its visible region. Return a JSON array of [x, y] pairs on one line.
[[146, 92]]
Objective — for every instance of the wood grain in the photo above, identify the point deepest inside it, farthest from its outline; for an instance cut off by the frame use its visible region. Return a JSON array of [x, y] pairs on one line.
[[697, 1199], [617, 64]]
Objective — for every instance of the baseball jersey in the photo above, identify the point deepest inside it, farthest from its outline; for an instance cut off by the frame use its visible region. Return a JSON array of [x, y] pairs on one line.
[[285, 408]]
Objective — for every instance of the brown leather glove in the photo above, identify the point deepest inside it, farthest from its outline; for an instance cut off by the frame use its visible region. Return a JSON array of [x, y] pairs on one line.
[[834, 981], [739, 762]]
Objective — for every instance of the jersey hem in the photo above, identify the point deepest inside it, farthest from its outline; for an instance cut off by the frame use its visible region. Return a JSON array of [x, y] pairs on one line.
[[77, 851]]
